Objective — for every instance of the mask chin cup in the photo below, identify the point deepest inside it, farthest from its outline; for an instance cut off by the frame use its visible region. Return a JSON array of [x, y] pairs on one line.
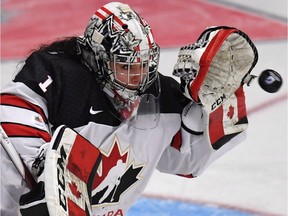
[[148, 113]]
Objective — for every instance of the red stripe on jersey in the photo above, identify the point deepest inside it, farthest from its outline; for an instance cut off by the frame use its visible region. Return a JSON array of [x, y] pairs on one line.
[[74, 209], [242, 112], [83, 158], [177, 141], [216, 129], [18, 130], [206, 60], [15, 101]]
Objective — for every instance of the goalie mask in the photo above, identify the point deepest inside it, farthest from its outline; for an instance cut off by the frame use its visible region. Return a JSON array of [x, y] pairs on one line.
[[119, 47]]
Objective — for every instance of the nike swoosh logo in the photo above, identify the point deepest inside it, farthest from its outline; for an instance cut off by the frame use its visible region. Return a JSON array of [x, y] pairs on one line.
[[94, 112]]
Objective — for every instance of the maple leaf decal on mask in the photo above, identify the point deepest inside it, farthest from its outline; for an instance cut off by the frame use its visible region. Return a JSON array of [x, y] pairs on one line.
[[128, 41]]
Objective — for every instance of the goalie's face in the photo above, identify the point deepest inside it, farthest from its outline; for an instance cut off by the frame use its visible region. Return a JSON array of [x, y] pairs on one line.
[[130, 75]]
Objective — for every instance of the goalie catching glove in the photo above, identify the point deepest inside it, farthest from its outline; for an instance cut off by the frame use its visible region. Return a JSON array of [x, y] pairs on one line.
[[212, 72], [214, 67]]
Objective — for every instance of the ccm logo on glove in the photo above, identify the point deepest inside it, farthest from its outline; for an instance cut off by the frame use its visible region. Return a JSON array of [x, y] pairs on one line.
[[218, 102]]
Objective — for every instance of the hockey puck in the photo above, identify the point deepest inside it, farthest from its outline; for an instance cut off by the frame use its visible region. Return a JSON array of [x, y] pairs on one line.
[[270, 81]]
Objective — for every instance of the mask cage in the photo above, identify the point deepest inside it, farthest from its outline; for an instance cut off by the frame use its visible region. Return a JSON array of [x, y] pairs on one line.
[[145, 61]]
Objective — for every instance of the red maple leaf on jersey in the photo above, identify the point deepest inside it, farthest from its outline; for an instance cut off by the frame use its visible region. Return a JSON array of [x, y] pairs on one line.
[[74, 189], [110, 160], [230, 113]]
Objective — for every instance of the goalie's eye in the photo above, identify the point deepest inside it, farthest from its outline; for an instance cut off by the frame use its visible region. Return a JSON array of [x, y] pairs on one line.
[[125, 67]]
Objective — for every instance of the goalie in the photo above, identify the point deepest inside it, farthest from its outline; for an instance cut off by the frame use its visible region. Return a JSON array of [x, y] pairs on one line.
[[92, 117]]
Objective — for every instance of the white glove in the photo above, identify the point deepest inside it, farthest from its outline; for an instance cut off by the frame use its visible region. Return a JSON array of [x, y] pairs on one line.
[[214, 67], [186, 68]]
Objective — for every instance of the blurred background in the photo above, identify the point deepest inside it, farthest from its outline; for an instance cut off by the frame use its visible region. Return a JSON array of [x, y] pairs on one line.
[[249, 180]]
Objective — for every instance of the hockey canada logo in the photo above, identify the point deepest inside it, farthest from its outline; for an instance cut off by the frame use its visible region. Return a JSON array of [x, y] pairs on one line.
[[114, 176]]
